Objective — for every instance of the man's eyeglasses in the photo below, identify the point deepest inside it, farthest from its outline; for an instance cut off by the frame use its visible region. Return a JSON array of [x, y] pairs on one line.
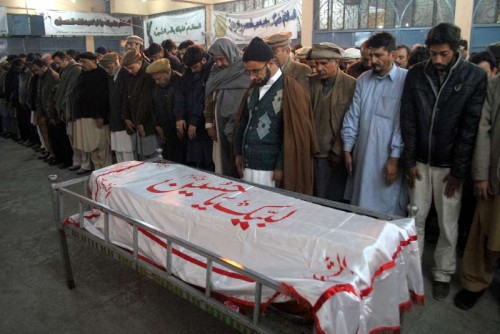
[[255, 71]]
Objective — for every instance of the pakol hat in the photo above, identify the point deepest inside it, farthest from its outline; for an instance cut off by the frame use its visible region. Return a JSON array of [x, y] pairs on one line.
[[278, 40], [134, 39], [257, 50], [109, 58], [351, 53], [87, 55], [326, 50], [303, 52], [160, 65], [130, 57]]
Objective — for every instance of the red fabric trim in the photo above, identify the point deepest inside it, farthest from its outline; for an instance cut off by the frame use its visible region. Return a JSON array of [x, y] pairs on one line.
[[393, 330], [417, 299], [405, 306], [193, 260]]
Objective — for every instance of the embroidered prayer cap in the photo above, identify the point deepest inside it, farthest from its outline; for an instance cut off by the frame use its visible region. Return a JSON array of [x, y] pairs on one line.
[[134, 39], [108, 59], [326, 50], [87, 55], [160, 65], [494, 49], [258, 50], [130, 57], [351, 53], [303, 52], [278, 40]]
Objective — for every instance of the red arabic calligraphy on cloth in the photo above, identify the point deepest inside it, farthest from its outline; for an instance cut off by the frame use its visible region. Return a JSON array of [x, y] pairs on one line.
[[225, 202]]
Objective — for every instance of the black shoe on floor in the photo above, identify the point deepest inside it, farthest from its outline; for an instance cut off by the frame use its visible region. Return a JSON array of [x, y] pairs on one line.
[[82, 171], [466, 299], [73, 168], [44, 156], [440, 290], [63, 165], [28, 143], [52, 162]]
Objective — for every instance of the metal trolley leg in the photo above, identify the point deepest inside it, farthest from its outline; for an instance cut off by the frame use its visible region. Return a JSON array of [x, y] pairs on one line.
[[63, 243]]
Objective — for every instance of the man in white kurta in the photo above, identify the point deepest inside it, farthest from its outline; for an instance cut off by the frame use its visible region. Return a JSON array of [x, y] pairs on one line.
[[371, 133]]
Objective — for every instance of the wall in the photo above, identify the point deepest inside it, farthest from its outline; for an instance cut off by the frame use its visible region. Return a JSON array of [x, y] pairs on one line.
[[19, 6]]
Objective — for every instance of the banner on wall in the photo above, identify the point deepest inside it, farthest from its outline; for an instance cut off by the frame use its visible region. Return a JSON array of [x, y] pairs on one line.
[[64, 23], [4, 28], [190, 25], [242, 27]]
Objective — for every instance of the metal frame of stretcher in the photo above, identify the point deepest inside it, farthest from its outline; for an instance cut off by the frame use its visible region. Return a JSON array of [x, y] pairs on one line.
[[204, 300]]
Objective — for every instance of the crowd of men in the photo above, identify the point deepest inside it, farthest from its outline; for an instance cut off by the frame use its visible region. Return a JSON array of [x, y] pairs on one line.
[[378, 127]]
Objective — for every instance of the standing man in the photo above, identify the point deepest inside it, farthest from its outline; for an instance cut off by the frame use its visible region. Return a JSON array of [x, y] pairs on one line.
[[134, 42], [440, 113], [363, 65], [137, 104], [483, 245], [402, 56], [190, 105], [91, 112], [371, 133], [226, 86], [275, 117], [280, 44], [350, 57], [162, 108], [70, 72], [122, 143], [331, 95], [45, 106]]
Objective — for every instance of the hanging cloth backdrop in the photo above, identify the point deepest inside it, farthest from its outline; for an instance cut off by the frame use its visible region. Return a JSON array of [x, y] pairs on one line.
[[63, 23], [242, 27], [178, 28]]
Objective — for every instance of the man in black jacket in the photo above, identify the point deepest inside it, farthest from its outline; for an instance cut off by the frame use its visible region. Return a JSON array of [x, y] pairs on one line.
[[91, 112], [189, 107], [162, 108], [440, 112]]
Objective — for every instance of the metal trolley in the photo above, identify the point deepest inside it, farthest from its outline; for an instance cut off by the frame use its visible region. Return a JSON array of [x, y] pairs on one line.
[[254, 322]]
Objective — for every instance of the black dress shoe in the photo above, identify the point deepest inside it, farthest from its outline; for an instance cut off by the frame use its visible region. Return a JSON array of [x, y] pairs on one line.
[[44, 156], [63, 165], [52, 162], [466, 299], [82, 171], [440, 290], [73, 168]]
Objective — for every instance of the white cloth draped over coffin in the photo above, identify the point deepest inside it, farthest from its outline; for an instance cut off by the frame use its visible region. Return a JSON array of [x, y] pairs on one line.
[[356, 272]]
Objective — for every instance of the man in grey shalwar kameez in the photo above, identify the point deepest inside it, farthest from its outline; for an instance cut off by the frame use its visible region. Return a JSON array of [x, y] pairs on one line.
[[371, 133], [225, 88]]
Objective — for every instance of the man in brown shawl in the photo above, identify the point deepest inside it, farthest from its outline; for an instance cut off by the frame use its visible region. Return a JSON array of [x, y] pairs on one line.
[[274, 140]]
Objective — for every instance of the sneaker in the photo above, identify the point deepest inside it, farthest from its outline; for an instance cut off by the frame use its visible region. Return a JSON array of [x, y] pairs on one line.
[[440, 290], [466, 299]]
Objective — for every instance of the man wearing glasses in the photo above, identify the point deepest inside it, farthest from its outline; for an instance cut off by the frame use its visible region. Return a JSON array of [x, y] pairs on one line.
[[274, 140]]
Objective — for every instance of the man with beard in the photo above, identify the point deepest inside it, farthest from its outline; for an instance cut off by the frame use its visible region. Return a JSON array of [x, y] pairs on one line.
[[440, 114], [402, 55], [371, 133], [137, 104], [331, 95], [162, 108], [225, 87], [122, 143], [189, 107], [91, 112], [363, 65], [275, 117]]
